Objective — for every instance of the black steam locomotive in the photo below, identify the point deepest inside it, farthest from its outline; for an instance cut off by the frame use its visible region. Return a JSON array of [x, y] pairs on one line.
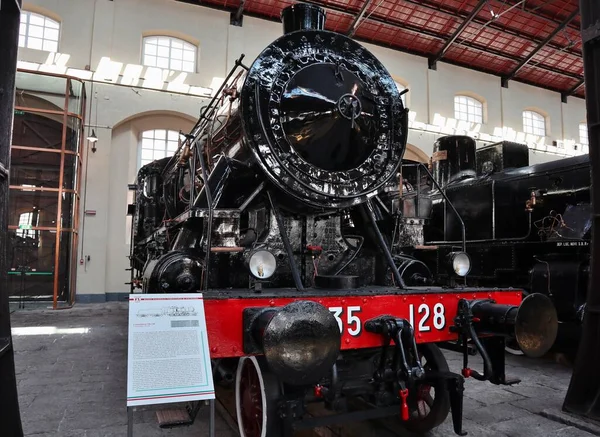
[[279, 208], [525, 226]]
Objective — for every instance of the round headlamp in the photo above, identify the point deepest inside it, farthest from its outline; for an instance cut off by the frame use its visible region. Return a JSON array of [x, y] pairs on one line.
[[460, 263], [262, 264]]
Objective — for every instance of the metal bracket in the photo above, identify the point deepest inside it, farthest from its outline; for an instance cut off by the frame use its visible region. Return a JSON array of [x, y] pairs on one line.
[[591, 33], [403, 335]]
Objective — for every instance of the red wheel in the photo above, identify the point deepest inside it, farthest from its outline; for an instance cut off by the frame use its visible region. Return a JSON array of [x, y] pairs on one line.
[[432, 403], [256, 395]]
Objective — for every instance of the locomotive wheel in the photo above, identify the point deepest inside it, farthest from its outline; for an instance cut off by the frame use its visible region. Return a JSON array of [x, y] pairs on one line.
[[432, 402], [256, 395]]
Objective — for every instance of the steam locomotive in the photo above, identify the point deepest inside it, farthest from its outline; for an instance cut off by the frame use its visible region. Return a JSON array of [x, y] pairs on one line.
[[525, 226], [276, 207]]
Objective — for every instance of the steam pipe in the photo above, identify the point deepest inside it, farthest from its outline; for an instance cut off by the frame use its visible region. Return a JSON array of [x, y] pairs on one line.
[[200, 154], [381, 242], [286, 244]]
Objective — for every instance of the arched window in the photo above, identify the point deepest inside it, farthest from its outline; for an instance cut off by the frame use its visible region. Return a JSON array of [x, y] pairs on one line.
[[468, 109], [169, 52], [157, 144], [38, 32], [583, 134], [534, 123]]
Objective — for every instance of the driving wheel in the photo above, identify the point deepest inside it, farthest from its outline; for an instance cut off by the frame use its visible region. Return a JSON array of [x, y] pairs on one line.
[[256, 393]]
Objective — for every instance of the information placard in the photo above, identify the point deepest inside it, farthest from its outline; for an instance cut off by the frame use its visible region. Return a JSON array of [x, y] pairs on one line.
[[168, 357]]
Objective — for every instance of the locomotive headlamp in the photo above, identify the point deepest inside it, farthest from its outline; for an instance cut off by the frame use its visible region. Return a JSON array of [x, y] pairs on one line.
[[262, 264], [460, 262]]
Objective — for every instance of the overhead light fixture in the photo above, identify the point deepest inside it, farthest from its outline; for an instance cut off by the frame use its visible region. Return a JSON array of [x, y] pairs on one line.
[[92, 138]]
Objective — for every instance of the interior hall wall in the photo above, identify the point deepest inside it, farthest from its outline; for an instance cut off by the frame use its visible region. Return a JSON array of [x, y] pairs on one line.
[[93, 31]]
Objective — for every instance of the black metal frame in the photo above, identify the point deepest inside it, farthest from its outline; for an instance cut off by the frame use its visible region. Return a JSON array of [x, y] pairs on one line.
[[10, 14], [583, 394]]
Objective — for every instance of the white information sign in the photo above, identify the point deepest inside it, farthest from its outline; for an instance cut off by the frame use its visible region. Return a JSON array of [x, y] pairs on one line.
[[168, 357]]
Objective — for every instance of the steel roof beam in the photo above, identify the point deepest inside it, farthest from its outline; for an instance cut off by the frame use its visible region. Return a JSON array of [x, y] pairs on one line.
[[237, 17], [421, 31], [428, 4], [439, 55], [572, 91], [358, 18], [540, 46], [412, 29]]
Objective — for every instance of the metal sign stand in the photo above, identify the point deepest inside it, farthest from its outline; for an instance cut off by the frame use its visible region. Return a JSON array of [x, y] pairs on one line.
[[211, 419], [160, 318]]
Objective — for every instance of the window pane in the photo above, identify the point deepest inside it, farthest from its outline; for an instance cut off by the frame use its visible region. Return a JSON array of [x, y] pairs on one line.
[[36, 31], [157, 144], [583, 134], [51, 24], [163, 51], [162, 62], [36, 19], [170, 53], [534, 123], [176, 65], [51, 34], [39, 32], [150, 49], [34, 43], [49, 46], [147, 155], [188, 56], [468, 109]]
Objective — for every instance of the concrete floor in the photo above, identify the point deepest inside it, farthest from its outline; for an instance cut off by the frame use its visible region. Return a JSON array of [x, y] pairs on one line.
[[73, 384]]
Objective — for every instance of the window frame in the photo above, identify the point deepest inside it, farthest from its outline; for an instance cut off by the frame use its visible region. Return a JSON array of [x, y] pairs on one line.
[[186, 47], [25, 30], [470, 102], [584, 140], [144, 135], [533, 123]]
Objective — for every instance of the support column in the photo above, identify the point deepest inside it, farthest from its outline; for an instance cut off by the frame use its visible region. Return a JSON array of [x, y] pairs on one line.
[[583, 395], [10, 17]]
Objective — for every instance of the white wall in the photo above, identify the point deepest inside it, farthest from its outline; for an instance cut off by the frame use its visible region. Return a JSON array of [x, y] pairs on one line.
[[102, 39]]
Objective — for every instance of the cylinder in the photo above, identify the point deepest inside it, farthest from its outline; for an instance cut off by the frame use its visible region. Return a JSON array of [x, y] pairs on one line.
[[496, 318], [302, 16], [453, 159]]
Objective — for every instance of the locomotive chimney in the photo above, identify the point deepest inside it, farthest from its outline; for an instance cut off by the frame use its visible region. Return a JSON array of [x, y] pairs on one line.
[[302, 16]]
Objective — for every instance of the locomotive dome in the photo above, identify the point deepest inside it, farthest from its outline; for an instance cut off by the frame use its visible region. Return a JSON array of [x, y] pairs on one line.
[[323, 116]]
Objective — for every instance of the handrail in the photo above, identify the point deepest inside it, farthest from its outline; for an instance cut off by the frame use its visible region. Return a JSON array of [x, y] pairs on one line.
[[462, 223]]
